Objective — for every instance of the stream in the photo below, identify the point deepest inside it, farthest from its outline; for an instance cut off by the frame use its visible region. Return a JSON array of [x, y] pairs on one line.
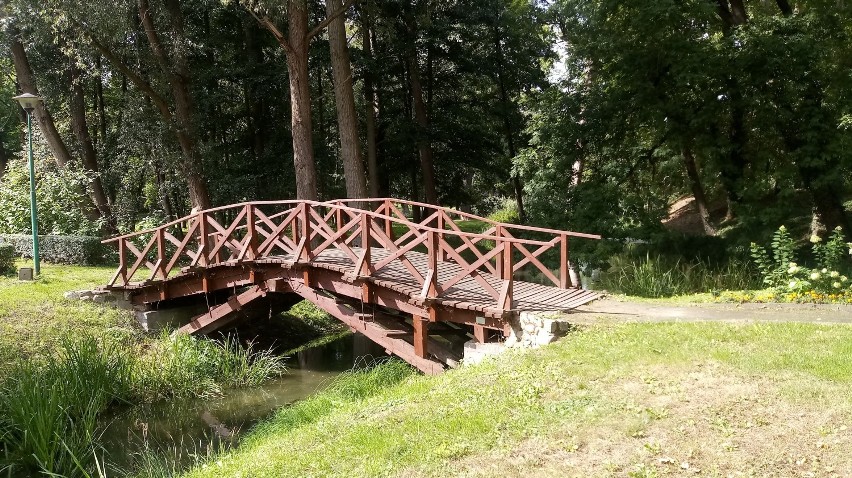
[[183, 428]]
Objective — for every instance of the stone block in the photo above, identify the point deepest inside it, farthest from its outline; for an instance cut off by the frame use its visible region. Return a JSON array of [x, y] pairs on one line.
[[475, 352]]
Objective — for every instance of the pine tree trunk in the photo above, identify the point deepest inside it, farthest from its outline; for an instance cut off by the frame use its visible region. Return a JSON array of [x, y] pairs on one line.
[[508, 130], [300, 101], [347, 121], [370, 103], [87, 150], [424, 144]]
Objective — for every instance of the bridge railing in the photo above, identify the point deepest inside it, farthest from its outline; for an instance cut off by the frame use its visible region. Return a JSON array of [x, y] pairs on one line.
[[452, 222], [302, 230]]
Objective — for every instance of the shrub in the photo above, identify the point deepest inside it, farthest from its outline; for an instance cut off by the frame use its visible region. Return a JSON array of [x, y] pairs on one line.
[[506, 213], [7, 258], [77, 250], [825, 281]]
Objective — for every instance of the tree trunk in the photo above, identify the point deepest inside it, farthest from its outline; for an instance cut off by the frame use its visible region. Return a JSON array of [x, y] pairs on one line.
[[826, 197], [300, 100], [26, 81], [177, 72], [87, 150], [424, 143], [370, 103], [507, 121], [698, 191], [734, 14], [99, 96], [347, 121]]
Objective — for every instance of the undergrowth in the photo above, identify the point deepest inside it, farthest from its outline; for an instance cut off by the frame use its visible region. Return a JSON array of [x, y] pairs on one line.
[[658, 276]]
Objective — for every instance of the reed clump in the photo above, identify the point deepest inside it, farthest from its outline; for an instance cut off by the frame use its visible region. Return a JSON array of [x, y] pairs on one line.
[[49, 409]]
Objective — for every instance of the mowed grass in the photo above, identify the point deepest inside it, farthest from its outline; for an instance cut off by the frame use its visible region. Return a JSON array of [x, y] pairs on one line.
[[34, 316], [637, 400]]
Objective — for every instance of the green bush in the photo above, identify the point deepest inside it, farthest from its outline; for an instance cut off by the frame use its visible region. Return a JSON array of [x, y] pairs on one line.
[[657, 276], [506, 213], [826, 280], [77, 250], [7, 258]]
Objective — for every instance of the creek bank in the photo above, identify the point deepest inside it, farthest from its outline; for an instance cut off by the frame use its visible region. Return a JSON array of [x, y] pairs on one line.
[[185, 429]]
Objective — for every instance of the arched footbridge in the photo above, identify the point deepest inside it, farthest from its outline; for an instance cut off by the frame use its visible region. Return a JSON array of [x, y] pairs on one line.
[[417, 288]]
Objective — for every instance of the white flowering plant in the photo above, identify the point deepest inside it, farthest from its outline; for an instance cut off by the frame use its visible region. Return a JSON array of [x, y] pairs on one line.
[[826, 281]]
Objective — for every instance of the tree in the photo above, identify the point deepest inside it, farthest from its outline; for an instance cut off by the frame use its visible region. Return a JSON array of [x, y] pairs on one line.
[[350, 148], [295, 46]]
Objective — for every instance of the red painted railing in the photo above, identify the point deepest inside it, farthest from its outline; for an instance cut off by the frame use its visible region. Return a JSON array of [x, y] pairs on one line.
[[302, 230]]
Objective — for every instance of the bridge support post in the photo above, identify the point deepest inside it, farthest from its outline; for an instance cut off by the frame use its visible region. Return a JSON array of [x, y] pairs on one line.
[[421, 336]]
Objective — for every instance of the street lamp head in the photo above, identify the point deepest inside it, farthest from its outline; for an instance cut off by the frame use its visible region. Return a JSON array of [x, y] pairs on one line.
[[28, 101]]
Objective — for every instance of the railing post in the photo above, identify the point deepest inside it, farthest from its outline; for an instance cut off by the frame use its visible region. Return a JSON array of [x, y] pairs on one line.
[[338, 215], [433, 246], [388, 223], [203, 240], [498, 259], [252, 234], [506, 302], [306, 232], [365, 244], [122, 261], [161, 254], [563, 261], [440, 234]]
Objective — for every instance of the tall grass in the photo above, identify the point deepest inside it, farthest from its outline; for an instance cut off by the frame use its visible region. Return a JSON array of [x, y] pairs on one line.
[[49, 411], [657, 276], [178, 365]]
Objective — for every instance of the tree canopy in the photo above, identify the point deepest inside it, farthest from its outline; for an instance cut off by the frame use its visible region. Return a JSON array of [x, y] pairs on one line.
[[593, 115]]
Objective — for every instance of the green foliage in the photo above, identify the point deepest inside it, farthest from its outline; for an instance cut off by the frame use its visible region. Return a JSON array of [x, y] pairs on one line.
[[76, 250], [58, 195], [507, 212], [825, 281], [7, 258], [312, 315], [658, 276], [782, 255]]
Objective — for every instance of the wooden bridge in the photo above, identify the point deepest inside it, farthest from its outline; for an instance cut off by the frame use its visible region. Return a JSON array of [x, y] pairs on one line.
[[418, 289]]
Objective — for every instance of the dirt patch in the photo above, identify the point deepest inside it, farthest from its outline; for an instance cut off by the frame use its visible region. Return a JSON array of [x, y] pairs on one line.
[[701, 421]]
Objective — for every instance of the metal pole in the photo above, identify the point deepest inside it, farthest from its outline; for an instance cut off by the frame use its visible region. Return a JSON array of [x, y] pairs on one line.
[[33, 208]]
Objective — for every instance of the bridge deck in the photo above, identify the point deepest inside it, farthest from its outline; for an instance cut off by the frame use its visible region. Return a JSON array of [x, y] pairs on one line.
[[466, 294]]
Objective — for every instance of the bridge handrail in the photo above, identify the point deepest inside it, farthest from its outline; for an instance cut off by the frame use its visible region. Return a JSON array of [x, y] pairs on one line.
[[337, 204], [475, 217], [308, 220]]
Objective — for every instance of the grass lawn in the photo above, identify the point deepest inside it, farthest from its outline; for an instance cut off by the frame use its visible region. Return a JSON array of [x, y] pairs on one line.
[[636, 400], [34, 315]]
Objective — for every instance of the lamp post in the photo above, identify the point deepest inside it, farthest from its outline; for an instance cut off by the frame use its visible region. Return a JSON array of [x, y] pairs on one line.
[[29, 102]]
